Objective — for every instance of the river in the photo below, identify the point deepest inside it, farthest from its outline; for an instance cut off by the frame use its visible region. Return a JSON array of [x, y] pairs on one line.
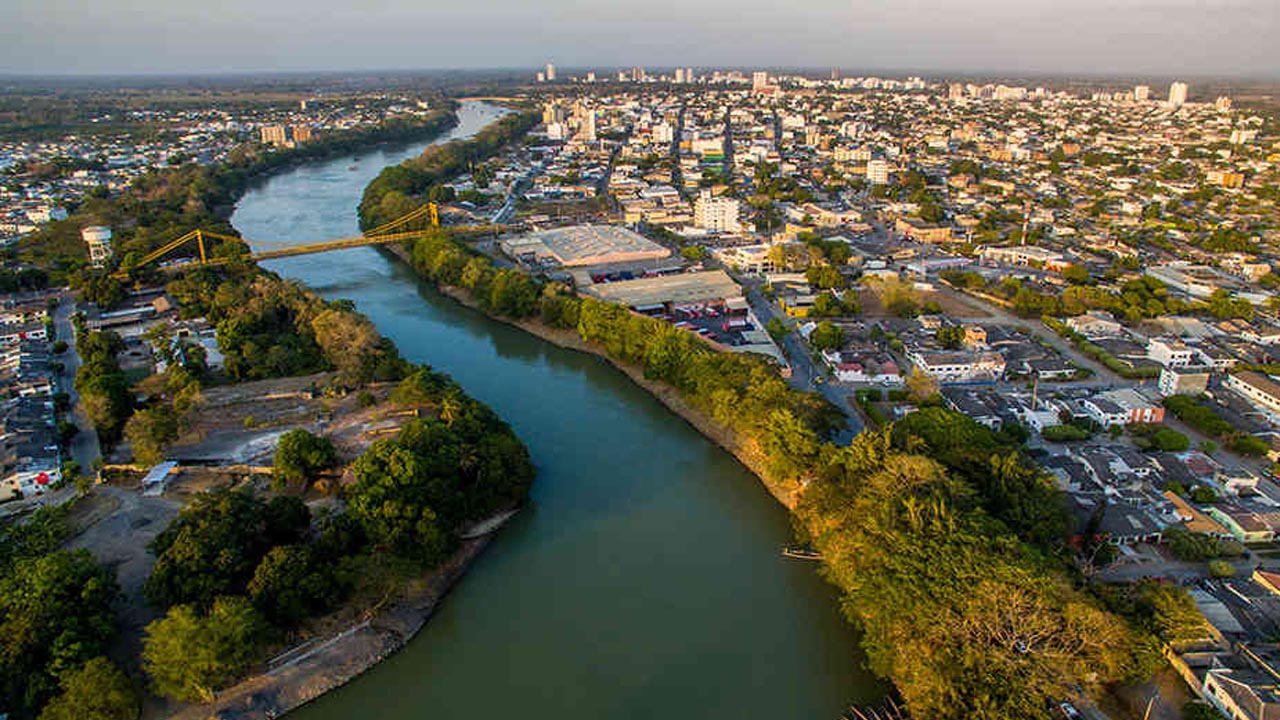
[[644, 578]]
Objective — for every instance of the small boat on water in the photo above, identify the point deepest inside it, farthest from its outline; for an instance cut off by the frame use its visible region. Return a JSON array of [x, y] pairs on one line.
[[801, 552], [352, 168]]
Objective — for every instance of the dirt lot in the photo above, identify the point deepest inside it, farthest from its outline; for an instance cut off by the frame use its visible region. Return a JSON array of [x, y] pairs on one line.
[[241, 424], [953, 304]]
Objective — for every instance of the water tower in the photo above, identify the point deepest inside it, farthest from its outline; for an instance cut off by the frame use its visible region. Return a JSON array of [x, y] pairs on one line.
[[98, 238]]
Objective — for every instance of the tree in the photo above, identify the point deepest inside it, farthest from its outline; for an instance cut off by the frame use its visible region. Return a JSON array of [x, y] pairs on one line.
[[1221, 569], [1198, 710], [293, 583], [921, 384], [826, 336], [824, 277], [1171, 440], [150, 432], [1076, 274], [300, 456], [55, 614], [216, 543], [190, 656], [951, 337], [97, 691]]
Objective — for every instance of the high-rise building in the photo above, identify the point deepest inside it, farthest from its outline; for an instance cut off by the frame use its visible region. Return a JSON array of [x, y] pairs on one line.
[[878, 172], [551, 72], [1141, 93], [542, 77], [274, 135], [301, 134], [1223, 103], [1178, 94], [663, 133], [98, 238], [759, 80], [688, 75], [955, 91], [591, 76], [719, 214], [587, 126], [679, 76], [637, 74]]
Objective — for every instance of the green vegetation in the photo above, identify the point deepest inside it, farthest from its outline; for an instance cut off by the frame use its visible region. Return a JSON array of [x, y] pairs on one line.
[[213, 548], [1208, 421], [235, 570], [1199, 710], [1194, 547], [300, 456], [400, 189], [826, 336], [951, 337], [1158, 437], [1119, 367], [97, 691], [1065, 433], [55, 616], [189, 655], [414, 491], [104, 390], [968, 621]]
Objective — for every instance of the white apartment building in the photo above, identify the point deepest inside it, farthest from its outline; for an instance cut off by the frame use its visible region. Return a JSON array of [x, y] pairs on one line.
[[1259, 390], [878, 172], [1178, 94], [1171, 352], [719, 214]]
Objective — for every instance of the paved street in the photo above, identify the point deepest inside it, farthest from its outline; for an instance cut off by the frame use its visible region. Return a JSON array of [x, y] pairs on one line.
[[84, 446], [805, 374]]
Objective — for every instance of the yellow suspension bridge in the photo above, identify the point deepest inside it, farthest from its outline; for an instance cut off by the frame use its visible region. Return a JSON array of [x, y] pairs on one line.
[[391, 232]]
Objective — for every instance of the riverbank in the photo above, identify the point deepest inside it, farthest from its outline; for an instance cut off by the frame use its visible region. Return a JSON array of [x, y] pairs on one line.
[[308, 671], [747, 452]]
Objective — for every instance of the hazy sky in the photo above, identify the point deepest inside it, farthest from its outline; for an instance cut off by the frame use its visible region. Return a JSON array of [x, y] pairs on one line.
[[1165, 37]]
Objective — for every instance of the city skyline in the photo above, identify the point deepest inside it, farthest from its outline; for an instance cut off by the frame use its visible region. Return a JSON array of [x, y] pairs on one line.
[[1159, 37]]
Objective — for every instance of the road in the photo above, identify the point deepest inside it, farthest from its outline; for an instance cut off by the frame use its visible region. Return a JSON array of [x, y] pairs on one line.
[[1102, 375], [84, 446], [805, 374]]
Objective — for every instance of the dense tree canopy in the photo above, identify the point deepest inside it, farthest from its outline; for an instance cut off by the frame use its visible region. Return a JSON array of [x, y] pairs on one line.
[[97, 691], [55, 615], [967, 621], [189, 655], [213, 548]]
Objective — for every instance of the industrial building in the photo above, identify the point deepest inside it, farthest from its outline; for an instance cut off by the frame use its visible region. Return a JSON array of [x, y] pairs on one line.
[[668, 290], [582, 245]]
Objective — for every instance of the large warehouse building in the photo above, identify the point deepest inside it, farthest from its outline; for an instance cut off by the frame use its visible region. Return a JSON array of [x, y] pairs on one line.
[[582, 245], [701, 288]]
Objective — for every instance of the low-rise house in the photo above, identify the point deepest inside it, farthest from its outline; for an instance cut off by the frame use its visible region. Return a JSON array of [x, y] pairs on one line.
[[1132, 405], [1095, 323], [958, 366], [1245, 525], [1243, 694], [863, 367]]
